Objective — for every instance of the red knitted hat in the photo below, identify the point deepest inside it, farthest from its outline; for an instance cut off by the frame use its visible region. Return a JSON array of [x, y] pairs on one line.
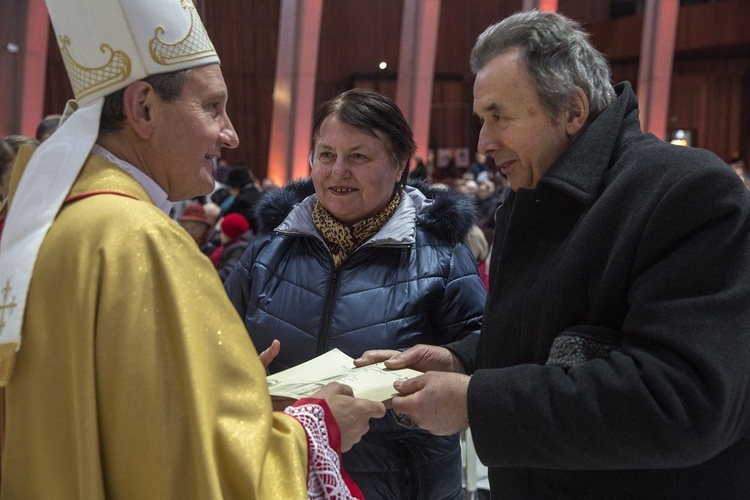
[[234, 225]]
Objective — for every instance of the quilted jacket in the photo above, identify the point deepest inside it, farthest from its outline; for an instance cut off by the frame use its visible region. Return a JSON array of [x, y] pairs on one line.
[[412, 282]]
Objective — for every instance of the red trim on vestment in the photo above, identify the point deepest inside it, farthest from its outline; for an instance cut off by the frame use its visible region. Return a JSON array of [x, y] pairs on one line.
[[92, 193], [69, 199]]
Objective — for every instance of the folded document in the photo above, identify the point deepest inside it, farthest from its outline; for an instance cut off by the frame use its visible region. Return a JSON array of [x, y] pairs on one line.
[[373, 382]]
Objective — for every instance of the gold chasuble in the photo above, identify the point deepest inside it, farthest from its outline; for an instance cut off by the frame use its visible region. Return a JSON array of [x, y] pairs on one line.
[[98, 405]]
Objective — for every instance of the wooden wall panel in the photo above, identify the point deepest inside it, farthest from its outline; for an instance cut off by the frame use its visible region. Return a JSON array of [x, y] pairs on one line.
[[57, 86], [707, 96], [357, 34], [12, 31], [355, 37], [688, 106], [450, 116], [584, 12], [460, 25], [744, 128], [625, 70], [459, 28], [711, 26], [734, 134], [618, 39], [245, 35], [385, 86]]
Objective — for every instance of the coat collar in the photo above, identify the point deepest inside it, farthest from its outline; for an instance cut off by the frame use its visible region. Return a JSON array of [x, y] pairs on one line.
[[399, 230], [580, 170], [444, 213]]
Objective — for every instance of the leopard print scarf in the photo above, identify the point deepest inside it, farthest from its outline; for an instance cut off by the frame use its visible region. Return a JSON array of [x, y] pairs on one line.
[[342, 240]]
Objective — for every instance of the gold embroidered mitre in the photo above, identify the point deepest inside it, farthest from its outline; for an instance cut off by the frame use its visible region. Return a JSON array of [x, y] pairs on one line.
[[194, 45], [107, 44]]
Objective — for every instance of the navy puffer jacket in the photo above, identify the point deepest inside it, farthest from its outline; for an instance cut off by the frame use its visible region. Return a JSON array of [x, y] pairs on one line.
[[413, 282]]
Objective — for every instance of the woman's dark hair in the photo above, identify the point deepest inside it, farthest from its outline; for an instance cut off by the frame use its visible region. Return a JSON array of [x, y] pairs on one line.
[[168, 86], [369, 112]]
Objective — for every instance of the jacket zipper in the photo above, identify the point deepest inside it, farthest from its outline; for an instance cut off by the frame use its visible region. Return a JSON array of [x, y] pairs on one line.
[[325, 322]]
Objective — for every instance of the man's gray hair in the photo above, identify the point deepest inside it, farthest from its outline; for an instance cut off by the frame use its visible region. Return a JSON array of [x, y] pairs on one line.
[[558, 57]]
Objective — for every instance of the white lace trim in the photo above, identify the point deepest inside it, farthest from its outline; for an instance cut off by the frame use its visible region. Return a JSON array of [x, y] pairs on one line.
[[324, 478]]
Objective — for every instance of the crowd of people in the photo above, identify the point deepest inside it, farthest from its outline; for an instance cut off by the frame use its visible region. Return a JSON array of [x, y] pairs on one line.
[[577, 297]]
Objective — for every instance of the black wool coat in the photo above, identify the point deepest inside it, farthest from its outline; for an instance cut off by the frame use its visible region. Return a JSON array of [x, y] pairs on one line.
[[614, 359]]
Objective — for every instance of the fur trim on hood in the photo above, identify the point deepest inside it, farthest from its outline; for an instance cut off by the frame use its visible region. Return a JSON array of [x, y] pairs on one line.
[[446, 213]]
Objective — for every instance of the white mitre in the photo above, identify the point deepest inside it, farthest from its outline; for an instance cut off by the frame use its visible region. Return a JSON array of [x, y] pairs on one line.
[[106, 45]]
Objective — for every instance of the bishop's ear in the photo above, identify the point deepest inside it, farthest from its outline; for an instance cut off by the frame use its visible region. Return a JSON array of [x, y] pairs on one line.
[[578, 112], [138, 100]]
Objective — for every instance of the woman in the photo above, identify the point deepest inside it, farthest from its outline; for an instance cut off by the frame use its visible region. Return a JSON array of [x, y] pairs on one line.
[[354, 259]]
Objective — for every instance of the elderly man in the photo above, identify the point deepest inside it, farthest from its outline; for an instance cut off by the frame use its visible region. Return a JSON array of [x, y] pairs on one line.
[[613, 358], [136, 378]]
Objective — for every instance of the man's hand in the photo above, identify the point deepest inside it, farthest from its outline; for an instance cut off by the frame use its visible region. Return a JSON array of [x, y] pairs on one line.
[[421, 357], [269, 354], [352, 414], [435, 401]]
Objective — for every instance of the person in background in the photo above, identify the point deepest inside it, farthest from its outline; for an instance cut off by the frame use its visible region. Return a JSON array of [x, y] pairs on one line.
[[223, 198], [195, 222], [235, 236], [479, 166], [47, 126], [268, 184], [213, 240], [7, 157], [419, 172], [17, 141], [477, 243], [221, 171], [738, 165], [450, 166], [469, 187], [213, 212], [8, 152], [488, 199], [613, 358], [135, 377], [241, 185], [354, 259]]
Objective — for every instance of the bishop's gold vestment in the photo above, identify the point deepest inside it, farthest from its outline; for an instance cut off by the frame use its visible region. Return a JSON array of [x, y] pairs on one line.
[[136, 378]]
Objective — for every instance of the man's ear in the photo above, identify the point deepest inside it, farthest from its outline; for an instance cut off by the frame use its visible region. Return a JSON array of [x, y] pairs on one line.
[[137, 105], [578, 112]]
